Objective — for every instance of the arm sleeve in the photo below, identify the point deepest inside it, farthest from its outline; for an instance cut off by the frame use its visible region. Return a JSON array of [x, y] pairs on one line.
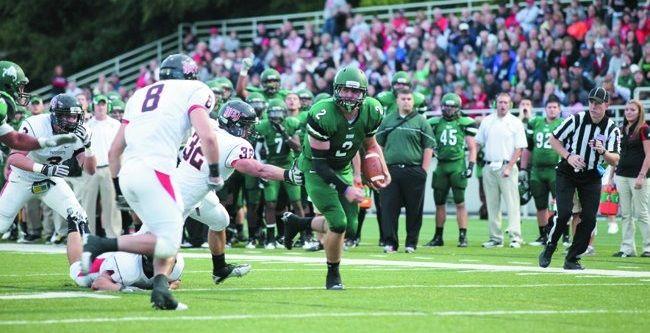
[[325, 171], [203, 97], [567, 127], [614, 140]]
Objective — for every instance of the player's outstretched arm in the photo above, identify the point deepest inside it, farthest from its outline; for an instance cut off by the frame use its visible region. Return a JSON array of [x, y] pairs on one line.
[[242, 80], [255, 168]]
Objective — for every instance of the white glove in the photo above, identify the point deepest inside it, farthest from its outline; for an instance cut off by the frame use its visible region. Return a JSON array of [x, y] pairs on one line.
[[246, 64], [84, 135], [55, 170], [215, 183], [57, 140], [293, 175]]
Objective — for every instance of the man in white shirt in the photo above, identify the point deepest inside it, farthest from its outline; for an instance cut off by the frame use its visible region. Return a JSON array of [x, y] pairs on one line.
[[502, 137], [104, 129]]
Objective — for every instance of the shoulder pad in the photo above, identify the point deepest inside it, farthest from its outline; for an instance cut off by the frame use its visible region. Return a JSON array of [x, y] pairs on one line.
[[466, 121]]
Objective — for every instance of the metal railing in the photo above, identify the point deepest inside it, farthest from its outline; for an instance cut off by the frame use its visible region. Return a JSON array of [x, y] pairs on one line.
[[127, 65]]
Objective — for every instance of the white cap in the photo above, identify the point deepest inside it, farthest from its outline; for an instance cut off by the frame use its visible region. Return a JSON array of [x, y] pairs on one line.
[[598, 45], [634, 68], [463, 26]]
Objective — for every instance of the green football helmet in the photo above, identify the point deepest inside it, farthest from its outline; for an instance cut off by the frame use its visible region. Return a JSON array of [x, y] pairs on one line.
[[113, 95], [258, 102], [226, 85], [400, 81], [351, 78], [270, 79], [13, 82], [450, 104], [277, 110], [306, 98], [117, 105], [321, 97], [419, 103], [217, 89]]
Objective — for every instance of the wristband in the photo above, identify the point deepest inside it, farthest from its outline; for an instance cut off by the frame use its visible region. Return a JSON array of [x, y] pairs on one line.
[[116, 185], [286, 175], [214, 169], [243, 72], [470, 165], [37, 167]]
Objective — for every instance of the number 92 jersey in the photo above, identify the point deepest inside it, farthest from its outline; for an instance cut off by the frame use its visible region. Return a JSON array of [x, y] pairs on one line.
[[40, 126], [192, 173], [158, 121], [327, 123], [538, 134]]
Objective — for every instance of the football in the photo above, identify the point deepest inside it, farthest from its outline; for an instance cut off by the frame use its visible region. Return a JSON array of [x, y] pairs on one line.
[[371, 167]]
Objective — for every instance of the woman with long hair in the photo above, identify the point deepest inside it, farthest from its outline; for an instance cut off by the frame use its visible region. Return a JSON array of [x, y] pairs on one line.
[[632, 179]]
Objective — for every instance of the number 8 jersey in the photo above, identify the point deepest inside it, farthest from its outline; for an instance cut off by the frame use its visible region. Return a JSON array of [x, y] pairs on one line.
[[158, 121]]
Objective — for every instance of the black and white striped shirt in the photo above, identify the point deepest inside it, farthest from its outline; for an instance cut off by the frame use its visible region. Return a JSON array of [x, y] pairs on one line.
[[576, 131]]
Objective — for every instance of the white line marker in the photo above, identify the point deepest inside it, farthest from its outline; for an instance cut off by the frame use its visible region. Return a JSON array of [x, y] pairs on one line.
[[370, 262], [51, 295], [468, 260], [320, 315], [420, 286], [520, 263], [629, 267]]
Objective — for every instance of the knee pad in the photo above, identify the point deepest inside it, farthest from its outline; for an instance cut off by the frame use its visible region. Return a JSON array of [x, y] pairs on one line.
[[219, 219], [166, 247]]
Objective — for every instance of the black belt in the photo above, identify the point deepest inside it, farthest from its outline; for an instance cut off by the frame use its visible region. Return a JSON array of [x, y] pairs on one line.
[[504, 161], [101, 166], [402, 166]]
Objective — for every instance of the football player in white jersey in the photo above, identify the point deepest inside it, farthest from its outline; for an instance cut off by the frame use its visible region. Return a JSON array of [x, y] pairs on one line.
[[12, 86], [156, 120], [39, 172], [236, 153], [117, 271]]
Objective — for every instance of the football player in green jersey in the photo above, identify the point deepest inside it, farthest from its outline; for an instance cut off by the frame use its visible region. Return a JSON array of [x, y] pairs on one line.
[[12, 94], [388, 99], [252, 185], [269, 79], [227, 87], [453, 134], [278, 136], [542, 160], [337, 128], [321, 97], [420, 103]]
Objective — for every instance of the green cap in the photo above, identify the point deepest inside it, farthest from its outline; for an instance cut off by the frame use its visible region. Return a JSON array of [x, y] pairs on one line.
[[35, 100]]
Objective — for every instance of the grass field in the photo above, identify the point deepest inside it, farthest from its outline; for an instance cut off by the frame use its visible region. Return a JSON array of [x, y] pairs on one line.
[[441, 289]]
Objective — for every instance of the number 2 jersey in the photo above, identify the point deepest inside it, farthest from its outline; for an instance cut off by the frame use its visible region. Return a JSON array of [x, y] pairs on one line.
[[192, 173], [538, 133], [40, 126], [158, 118], [327, 123]]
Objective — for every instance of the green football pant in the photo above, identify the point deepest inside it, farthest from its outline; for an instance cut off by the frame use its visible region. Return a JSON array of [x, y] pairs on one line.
[[542, 182], [449, 175], [341, 215]]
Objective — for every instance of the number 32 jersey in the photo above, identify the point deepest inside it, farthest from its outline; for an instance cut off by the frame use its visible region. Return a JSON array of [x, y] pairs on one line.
[[192, 173], [158, 118], [40, 126]]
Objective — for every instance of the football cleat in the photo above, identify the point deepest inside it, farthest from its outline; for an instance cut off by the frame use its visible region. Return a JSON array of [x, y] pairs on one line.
[[409, 249], [436, 241], [270, 245], [546, 255], [462, 241], [492, 244], [314, 246], [252, 244], [333, 282], [389, 249], [230, 270], [290, 229], [161, 297], [572, 265]]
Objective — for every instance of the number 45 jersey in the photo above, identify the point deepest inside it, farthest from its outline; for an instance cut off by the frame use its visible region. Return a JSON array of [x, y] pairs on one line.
[[538, 133], [450, 136], [192, 173], [158, 118]]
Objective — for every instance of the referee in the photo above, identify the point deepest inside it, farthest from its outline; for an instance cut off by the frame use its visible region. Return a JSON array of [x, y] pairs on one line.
[[583, 141]]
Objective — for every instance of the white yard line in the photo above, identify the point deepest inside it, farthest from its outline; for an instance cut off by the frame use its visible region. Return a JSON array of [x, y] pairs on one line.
[[319, 315], [371, 262], [50, 295]]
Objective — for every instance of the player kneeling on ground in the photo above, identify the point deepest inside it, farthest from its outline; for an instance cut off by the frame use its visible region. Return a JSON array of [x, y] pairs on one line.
[[39, 173], [235, 153]]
